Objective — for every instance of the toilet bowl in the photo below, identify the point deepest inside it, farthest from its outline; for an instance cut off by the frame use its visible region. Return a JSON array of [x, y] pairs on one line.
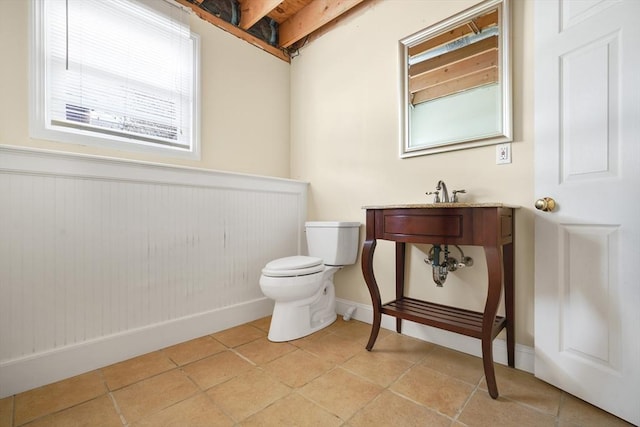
[[302, 286]]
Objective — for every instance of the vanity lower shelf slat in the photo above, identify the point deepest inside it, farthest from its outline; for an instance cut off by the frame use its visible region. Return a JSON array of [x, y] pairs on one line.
[[465, 322]]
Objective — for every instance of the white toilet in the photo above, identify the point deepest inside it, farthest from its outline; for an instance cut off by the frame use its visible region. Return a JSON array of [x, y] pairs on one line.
[[302, 286]]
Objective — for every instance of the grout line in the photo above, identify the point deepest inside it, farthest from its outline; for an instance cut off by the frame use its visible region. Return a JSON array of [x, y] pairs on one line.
[[117, 408], [12, 421], [177, 368], [200, 389], [61, 410], [220, 408], [157, 374], [466, 402], [378, 396], [233, 350], [563, 397], [113, 399]]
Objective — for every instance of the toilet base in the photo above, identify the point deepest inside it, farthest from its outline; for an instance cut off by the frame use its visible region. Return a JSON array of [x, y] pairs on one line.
[[297, 319]]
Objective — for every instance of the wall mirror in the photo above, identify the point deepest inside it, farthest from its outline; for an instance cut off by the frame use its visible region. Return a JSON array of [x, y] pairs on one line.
[[456, 82]]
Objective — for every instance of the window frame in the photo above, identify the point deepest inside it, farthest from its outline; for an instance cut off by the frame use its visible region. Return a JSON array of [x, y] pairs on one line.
[[40, 128]]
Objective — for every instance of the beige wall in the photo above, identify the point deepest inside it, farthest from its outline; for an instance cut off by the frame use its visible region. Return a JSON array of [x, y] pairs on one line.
[[344, 140], [244, 92]]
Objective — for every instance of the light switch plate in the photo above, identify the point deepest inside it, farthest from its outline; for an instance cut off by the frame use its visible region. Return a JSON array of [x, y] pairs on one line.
[[503, 153]]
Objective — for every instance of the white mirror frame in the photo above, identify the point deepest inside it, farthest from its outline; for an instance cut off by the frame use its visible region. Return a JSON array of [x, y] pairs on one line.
[[504, 56]]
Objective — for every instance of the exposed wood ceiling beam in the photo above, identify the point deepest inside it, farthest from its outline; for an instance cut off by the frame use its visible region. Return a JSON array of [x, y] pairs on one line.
[[312, 17], [236, 31], [286, 9], [255, 10], [296, 19], [354, 11]]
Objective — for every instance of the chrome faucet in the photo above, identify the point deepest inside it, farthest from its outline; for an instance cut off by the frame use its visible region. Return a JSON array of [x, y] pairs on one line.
[[436, 194], [442, 187], [445, 193]]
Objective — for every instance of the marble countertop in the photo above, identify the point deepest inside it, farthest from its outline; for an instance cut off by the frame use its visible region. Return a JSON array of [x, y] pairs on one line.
[[442, 205]]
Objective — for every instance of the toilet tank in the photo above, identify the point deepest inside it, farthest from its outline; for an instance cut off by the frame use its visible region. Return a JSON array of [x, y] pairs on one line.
[[334, 241]]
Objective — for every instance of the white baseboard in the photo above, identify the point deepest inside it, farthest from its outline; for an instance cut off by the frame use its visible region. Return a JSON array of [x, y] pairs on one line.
[[524, 355], [33, 371]]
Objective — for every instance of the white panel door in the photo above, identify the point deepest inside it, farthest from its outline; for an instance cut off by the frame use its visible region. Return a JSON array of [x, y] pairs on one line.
[[587, 127]]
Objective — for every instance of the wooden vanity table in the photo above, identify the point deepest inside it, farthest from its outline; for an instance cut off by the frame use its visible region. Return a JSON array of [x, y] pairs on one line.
[[490, 225]]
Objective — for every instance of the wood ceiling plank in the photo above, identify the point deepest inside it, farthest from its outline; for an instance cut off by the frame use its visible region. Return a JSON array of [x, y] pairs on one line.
[[354, 11], [287, 9], [236, 31], [312, 17], [470, 81], [255, 10]]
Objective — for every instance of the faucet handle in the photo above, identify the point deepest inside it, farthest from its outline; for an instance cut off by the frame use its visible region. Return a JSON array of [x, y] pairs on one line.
[[454, 199], [436, 197]]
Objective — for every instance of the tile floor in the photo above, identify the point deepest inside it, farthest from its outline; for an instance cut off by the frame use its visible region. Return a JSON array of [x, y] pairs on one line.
[[238, 378]]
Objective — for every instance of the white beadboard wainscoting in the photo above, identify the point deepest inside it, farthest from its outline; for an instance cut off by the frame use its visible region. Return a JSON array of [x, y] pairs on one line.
[[103, 259]]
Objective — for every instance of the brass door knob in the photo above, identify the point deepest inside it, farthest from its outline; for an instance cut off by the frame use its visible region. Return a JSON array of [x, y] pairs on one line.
[[546, 204]]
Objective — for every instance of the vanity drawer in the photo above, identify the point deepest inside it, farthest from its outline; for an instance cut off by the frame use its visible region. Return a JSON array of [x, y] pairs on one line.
[[425, 225]]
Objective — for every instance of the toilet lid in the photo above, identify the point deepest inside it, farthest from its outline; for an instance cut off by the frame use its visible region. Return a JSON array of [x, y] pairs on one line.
[[293, 266]]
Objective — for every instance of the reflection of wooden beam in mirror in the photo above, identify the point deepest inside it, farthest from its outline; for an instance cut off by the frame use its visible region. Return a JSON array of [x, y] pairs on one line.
[[454, 56], [473, 65], [470, 81], [482, 61], [482, 22]]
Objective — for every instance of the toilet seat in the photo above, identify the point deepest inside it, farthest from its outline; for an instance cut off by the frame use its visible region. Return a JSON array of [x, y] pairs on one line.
[[293, 266]]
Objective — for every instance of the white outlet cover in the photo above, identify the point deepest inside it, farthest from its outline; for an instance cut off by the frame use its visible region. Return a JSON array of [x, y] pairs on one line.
[[503, 153]]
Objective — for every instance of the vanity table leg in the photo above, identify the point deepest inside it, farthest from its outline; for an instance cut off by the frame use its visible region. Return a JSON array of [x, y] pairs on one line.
[[367, 271], [509, 302], [400, 253], [494, 267]]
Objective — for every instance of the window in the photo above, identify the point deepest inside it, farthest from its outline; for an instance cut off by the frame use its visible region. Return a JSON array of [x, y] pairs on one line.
[[115, 73]]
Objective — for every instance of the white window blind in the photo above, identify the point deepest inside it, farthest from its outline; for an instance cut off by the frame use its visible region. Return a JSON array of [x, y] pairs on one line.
[[123, 69]]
